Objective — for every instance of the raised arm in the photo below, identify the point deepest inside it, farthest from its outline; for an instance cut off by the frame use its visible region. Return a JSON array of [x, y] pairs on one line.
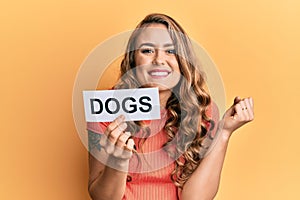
[[204, 182], [108, 181]]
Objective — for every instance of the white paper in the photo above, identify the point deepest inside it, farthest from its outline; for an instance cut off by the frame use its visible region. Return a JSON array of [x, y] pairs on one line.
[[134, 104]]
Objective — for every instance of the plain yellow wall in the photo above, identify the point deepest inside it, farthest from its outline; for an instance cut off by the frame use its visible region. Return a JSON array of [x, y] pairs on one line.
[[255, 45]]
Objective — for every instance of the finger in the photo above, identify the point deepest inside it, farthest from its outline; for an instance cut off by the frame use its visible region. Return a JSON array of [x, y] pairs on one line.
[[249, 109], [243, 105], [115, 134], [110, 147], [127, 153], [123, 139], [238, 111], [121, 143], [244, 112], [130, 145], [117, 151], [236, 100], [113, 137], [114, 124], [251, 102]]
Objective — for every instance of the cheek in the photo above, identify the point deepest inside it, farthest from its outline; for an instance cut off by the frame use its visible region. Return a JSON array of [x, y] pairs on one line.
[[139, 74], [138, 71], [141, 60], [174, 64]]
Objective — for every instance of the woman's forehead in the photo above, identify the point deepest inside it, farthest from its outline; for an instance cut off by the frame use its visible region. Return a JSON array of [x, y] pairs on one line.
[[156, 34]]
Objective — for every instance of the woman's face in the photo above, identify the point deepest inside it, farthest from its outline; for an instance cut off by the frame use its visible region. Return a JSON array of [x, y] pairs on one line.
[[155, 58]]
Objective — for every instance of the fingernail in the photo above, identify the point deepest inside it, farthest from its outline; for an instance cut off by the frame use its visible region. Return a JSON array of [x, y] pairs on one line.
[[120, 118]]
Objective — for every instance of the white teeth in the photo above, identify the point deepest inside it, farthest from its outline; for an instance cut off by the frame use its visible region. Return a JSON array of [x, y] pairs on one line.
[[159, 73]]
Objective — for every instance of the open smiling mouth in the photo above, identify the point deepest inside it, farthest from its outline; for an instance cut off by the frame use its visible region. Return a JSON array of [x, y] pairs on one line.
[[159, 73]]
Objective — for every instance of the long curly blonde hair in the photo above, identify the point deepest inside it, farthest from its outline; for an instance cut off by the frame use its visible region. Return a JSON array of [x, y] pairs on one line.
[[186, 125]]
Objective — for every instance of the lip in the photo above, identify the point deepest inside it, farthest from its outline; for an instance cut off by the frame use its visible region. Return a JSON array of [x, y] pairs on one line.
[[159, 73]]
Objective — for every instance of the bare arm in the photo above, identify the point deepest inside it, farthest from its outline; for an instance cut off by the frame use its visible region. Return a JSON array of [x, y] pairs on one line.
[[204, 182], [105, 182], [108, 181]]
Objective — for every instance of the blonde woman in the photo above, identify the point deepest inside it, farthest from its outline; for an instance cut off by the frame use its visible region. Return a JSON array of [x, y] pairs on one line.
[[166, 158]]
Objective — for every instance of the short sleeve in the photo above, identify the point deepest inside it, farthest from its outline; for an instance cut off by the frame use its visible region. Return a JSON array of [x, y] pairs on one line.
[[214, 115], [97, 127]]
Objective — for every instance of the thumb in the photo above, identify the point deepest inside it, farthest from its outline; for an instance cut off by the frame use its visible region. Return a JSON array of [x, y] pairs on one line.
[[236, 100], [231, 111]]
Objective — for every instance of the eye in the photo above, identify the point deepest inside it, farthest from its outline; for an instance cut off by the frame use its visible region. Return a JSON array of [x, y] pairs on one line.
[[147, 51], [171, 51]]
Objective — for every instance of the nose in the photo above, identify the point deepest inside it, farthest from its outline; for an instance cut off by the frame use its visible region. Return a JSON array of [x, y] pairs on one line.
[[159, 58]]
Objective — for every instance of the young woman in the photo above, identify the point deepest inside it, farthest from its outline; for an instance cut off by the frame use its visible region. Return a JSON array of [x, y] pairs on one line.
[[166, 158]]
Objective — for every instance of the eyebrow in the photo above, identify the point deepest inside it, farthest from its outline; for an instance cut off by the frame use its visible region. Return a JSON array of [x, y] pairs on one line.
[[153, 45]]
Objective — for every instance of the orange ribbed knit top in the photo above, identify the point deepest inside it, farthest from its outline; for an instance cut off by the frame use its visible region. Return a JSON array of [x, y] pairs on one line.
[[149, 177]]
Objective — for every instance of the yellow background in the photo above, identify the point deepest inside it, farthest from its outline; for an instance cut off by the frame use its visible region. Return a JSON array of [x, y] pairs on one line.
[[255, 45]]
